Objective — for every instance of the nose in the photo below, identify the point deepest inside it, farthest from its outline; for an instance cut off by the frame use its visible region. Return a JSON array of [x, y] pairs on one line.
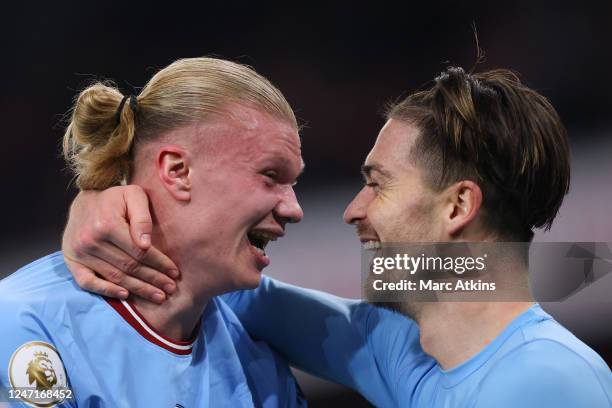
[[356, 210], [288, 208]]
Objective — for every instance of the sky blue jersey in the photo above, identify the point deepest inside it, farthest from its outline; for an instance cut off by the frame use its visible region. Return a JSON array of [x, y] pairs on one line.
[[534, 362], [55, 336]]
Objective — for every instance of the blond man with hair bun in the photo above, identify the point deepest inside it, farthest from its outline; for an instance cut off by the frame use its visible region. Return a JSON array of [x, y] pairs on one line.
[[216, 148]]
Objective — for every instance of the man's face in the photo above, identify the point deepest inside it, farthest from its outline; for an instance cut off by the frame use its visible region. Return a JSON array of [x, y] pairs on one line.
[[395, 205], [243, 195]]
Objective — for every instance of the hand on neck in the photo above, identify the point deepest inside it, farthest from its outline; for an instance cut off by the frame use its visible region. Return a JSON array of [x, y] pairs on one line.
[[178, 316]]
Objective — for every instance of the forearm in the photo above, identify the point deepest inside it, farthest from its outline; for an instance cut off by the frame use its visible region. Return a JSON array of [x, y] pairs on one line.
[[317, 332]]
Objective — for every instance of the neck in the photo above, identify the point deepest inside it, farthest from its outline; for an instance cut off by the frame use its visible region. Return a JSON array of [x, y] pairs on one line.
[[452, 332], [178, 317]]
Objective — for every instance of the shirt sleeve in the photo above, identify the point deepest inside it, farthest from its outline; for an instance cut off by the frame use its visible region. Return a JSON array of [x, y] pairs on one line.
[[28, 357], [346, 341]]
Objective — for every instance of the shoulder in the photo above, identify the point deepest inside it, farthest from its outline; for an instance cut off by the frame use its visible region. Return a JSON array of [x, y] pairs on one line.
[[43, 287], [218, 305], [26, 293], [37, 278], [32, 303], [33, 364], [28, 349], [223, 317], [44, 281], [550, 368]]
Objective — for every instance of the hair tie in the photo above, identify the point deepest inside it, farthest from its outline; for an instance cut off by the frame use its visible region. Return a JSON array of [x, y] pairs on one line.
[[133, 106]]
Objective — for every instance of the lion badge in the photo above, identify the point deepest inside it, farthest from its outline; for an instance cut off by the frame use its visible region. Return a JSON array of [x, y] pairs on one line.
[[37, 365]]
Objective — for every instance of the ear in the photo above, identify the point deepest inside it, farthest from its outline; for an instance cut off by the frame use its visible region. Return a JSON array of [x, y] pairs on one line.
[[175, 171], [464, 202]]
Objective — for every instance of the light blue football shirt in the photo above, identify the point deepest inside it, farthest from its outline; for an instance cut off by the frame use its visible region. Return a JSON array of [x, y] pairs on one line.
[[52, 333], [534, 362]]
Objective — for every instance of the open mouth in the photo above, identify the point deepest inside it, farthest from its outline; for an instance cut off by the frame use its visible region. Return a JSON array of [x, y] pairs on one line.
[[259, 240]]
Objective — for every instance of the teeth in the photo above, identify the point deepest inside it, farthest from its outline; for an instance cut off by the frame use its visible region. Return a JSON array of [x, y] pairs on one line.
[[261, 251], [371, 245], [264, 235], [260, 239]]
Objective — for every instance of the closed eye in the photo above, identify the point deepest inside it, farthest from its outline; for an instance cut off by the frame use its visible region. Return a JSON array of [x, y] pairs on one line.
[[279, 177], [271, 174]]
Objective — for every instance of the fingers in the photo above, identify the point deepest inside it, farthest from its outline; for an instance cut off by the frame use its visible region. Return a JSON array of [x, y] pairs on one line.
[[138, 215], [155, 278], [143, 290], [123, 262], [87, 279], [97, 218], [113, 282], [127, 262], [156, 259], [109, 232]]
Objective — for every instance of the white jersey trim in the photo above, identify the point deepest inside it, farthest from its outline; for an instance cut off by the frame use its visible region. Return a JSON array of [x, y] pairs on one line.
[[152, 332]]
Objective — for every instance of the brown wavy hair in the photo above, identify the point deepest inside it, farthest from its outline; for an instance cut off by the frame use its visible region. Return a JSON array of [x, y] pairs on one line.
[[494, 130]]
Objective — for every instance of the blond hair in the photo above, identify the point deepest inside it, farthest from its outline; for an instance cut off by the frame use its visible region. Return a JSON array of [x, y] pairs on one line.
[[98, 141]]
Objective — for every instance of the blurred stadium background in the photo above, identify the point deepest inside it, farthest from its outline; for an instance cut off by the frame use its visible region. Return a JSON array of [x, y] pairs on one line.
[[337, 65]]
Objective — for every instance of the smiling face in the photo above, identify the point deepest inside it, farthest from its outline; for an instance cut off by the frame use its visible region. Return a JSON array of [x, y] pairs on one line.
[[395, 205], [241, 196]]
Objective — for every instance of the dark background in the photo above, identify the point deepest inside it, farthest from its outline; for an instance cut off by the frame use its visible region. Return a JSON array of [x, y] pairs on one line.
[[337, 65]]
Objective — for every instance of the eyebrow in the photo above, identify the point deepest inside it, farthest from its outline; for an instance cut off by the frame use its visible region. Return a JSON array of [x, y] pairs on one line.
[[303, 167], [300, 173], [367, 170]]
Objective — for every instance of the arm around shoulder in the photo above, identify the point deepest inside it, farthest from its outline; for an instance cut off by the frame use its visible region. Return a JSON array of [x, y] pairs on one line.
[[344, 340]]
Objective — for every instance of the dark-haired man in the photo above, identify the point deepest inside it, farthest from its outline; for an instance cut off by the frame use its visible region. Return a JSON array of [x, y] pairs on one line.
[[474, 158]]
